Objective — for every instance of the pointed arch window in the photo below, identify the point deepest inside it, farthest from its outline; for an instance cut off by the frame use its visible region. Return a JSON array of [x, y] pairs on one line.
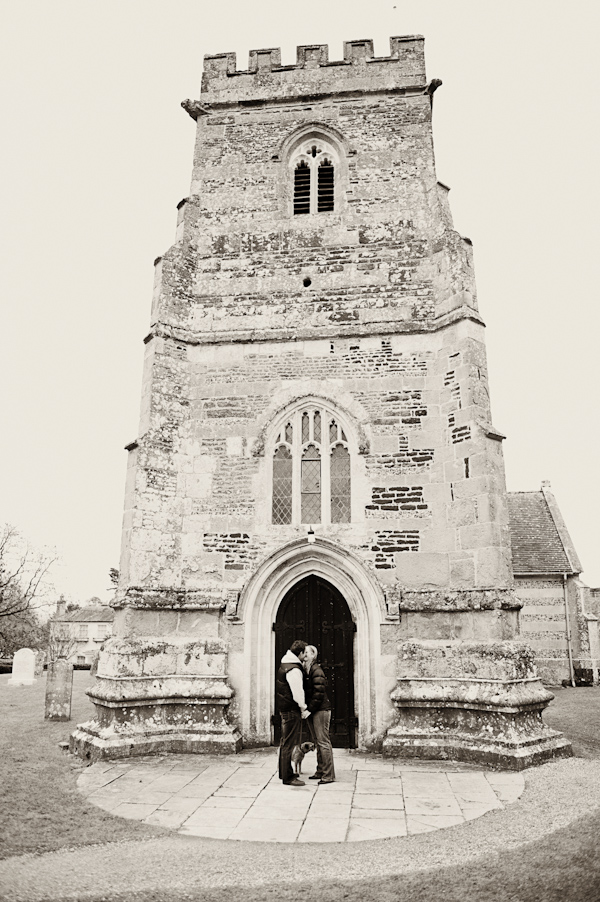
[[314, 167], [282, 483], [310, 482], [311, 469], [340, 485]]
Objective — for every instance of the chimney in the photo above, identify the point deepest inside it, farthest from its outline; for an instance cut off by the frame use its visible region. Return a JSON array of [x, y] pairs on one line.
[[61, 607]]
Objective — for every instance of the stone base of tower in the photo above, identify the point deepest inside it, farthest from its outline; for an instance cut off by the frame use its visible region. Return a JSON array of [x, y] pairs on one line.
[[169, 726], [475, 702], [152, 696]]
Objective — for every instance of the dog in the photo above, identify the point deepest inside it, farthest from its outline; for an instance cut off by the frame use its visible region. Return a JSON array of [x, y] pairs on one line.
[[298, 753]]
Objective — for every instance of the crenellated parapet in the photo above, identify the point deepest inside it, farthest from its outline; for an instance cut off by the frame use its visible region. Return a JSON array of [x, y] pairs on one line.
[[314, 74]]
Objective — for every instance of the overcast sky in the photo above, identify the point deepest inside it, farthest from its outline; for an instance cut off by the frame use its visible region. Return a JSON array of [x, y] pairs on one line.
[[96, 153]]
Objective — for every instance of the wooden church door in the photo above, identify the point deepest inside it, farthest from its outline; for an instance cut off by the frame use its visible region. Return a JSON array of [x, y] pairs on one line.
[[315, 611]]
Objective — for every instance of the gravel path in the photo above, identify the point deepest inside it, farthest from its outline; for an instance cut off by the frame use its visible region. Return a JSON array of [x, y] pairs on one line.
[[556, 794]]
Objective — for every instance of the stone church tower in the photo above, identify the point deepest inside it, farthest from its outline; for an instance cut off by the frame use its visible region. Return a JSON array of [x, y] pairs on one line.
[[316, 457]]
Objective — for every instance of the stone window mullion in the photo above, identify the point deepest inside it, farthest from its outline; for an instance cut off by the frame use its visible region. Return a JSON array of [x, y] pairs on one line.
[[296, 467], [326, 485], [313, 186]]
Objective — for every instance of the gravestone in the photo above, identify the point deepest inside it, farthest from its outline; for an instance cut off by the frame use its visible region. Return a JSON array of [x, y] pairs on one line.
[[94, 665], [59, 688], [23, 669]]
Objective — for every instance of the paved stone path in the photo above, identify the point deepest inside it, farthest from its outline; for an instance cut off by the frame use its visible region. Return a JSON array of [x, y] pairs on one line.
[[240, 797]]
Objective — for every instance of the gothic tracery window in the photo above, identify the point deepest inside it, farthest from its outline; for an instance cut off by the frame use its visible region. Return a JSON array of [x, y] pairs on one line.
[[282, 485], [311, 469], [313, 165], [310, 482]]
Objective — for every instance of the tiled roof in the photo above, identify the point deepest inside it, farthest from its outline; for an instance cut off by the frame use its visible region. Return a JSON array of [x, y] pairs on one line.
[[540, 541], [97, 613]]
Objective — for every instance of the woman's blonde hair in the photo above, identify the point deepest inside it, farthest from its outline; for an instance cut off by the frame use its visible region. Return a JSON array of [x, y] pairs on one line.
[[312, 652]]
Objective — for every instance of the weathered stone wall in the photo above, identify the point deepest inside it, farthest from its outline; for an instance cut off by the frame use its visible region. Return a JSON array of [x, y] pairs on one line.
[[237, 334], [367, 311], [593, 601], [543, 625], [202, 497], [387, 253], [370, 308]]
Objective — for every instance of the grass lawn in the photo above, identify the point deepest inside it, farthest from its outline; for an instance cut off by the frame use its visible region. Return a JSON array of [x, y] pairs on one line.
[[39, 780], [47, 813], [576, 713]]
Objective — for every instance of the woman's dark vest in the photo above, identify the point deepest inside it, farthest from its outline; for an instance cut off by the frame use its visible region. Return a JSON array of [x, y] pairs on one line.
[[285, 699]]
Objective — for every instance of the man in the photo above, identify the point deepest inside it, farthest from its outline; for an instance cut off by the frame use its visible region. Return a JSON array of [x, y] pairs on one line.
[[320, 708], [292, 707]]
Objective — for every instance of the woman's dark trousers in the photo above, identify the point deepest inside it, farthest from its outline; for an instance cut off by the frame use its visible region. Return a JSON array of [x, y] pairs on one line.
[[318, 724]]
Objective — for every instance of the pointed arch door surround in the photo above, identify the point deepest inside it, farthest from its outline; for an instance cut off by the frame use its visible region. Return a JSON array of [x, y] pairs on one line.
[[315, 611], [253, 671]]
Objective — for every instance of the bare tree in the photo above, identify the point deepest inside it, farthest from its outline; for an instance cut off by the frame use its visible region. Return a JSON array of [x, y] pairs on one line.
[[61, 642], [22, 572]]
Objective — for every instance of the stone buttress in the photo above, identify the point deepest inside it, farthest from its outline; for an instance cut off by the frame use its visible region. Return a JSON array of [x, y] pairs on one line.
[[315, 400]]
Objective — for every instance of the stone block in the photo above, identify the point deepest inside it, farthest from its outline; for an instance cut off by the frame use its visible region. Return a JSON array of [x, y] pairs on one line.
[[192, 544], [482, 535], [198, 485], [59, 689], [436, 540], [462, 512], [493, 566], [416, 569], [384, 444], [462, 571], [235, 445]]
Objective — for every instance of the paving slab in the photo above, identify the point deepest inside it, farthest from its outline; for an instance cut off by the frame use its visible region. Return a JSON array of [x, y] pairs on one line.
[[241, 798], [269, 829], [428, 823], [324, 829]]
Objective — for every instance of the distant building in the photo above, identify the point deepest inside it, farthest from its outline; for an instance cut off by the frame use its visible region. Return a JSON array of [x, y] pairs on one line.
[[559, 615], [87, 628]]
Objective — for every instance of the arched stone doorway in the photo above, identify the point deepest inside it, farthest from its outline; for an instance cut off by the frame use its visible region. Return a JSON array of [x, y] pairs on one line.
[[315, 611], [252, 671]]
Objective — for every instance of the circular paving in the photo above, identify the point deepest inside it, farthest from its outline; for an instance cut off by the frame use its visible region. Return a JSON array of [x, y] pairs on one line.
[[240, 797]]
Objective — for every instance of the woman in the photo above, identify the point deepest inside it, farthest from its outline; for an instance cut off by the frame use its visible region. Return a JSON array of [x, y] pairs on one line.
[[320, 710]]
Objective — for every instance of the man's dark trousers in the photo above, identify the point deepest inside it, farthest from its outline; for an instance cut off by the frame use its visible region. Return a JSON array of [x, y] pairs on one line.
[[291, 725]]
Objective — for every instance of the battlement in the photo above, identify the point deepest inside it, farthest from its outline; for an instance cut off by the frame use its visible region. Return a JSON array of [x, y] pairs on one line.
[[313, 73]]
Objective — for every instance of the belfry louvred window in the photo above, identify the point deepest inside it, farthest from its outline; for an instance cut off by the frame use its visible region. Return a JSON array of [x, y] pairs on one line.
[[311, 469], [302, 188], [325, 186], [314, 179]]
